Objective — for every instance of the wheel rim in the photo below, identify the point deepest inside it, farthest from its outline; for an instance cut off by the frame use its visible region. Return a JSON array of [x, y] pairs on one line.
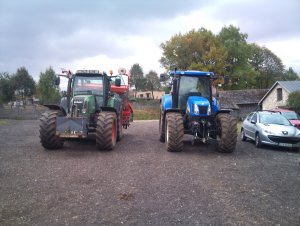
[[242, 135]]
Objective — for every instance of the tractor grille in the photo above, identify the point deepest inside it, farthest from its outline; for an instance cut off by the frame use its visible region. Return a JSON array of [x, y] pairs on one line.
[[78, 103], [202, 110], [289, 140]]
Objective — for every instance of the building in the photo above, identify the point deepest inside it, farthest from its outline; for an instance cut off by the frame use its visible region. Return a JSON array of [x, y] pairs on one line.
[[242, 102], [148, 94], [278, 94]]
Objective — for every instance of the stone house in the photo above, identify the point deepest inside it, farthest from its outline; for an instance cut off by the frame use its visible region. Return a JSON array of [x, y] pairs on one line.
[[278, 94], [242, 102]]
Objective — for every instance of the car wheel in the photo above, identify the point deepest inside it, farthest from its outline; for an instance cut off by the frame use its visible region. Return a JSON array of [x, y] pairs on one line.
[[257, 140], [243, 137]]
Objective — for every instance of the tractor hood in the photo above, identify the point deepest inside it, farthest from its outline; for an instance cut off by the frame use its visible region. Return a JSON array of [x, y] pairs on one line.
[[198, 106]]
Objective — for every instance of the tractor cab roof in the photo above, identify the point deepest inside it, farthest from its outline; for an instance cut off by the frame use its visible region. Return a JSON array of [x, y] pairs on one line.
[[192, 73], [90, 72]]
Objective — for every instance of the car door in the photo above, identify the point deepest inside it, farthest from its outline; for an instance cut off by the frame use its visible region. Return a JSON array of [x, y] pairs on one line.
[[247, 124], [253, 126]]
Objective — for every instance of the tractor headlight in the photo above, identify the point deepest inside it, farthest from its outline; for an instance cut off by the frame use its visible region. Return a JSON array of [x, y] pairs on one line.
[[209, 109], [196, 109]]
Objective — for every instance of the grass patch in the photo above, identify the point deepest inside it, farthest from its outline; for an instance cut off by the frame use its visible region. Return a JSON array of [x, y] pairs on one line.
[[239, 125], [147, 114], [3, 122]]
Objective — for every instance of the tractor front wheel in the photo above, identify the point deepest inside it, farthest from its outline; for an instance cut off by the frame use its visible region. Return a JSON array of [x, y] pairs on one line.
[[227, 132], [48, 137], [106, 131], [174, 132]]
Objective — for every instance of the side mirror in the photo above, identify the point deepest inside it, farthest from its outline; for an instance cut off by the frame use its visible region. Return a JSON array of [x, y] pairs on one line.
[[162, 77], [57, 81], [253, 122], [118, 82]]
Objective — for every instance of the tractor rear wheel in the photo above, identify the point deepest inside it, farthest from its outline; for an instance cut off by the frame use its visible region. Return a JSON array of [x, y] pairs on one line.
[[227, 132], [161, 128], [120, 126], [174, 132], [48, 137], [106, 131]]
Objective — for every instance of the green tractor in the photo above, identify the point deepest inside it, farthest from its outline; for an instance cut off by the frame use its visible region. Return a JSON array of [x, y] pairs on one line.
[[89, 107]]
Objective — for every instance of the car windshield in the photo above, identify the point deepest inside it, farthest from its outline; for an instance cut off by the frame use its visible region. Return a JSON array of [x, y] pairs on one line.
[[88, 85], [193, 86], [291, 115], [274, 119]]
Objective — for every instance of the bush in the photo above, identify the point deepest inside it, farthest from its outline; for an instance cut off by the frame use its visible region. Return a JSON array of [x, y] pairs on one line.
[[294, 101]]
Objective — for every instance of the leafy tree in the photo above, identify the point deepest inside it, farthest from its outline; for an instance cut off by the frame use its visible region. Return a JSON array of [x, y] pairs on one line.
[[236, 47], [137, 77], [47, 91], [294, 101], [290, 75], [6, 88], [23, 83], [268, 65], [195, 50], [152, 82]]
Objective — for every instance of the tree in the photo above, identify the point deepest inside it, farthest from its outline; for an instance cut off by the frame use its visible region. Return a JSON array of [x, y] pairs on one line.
[[294, 101], [195, 50], [152, 82], [47, 91], [23, 83], [236, 47], [6, 88], [290, 75], [268, 65], [137, 77]]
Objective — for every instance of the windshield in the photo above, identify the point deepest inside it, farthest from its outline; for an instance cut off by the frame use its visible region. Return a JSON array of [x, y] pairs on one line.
[[124, 80], [290, 115], [193, 86], [88, 85], [274, 119]]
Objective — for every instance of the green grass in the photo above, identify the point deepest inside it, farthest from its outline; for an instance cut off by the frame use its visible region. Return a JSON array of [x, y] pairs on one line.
[[239, 125], [147, 114], [3, 122]]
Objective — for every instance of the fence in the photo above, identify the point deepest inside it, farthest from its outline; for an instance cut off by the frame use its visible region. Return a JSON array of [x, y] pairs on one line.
[[21, 112]]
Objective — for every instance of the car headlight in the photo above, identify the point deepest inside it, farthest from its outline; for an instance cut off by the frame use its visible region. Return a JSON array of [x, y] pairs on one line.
[[196, 109], [268, 131]]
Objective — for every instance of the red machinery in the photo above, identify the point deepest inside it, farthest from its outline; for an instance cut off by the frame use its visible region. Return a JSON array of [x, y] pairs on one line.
[[123, 92]]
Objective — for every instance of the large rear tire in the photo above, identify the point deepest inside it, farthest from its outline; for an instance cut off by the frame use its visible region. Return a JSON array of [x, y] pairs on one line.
[[48, 137], [174, 132], [161, 128], [120, 126], [227, 132], [106, 131]]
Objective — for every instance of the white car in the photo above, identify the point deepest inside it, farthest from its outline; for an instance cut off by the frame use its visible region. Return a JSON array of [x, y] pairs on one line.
[[270, 128]]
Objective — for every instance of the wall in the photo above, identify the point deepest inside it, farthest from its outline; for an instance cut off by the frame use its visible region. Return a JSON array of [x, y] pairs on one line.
[[156, 94], [270, 102]]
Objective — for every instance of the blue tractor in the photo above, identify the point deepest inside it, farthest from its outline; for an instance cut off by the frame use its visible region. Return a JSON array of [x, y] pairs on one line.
[[191, 109]]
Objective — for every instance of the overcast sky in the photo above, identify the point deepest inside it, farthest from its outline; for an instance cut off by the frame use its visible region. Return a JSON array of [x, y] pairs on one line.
[[108, 34]]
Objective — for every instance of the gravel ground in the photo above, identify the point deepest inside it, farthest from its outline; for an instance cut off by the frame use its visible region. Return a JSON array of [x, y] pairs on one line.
[[139, 183]]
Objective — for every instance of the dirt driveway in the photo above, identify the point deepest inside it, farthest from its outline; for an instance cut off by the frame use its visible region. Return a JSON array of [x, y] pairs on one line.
[[139, 183]]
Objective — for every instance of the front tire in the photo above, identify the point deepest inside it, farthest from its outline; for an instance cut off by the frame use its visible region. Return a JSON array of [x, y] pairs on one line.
[[243, 137], [257, 140], [227, 132], [48, 137], [174, 132], [106, 131]]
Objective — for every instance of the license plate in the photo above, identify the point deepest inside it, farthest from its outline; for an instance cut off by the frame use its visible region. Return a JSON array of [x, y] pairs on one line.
[[285, 145]]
